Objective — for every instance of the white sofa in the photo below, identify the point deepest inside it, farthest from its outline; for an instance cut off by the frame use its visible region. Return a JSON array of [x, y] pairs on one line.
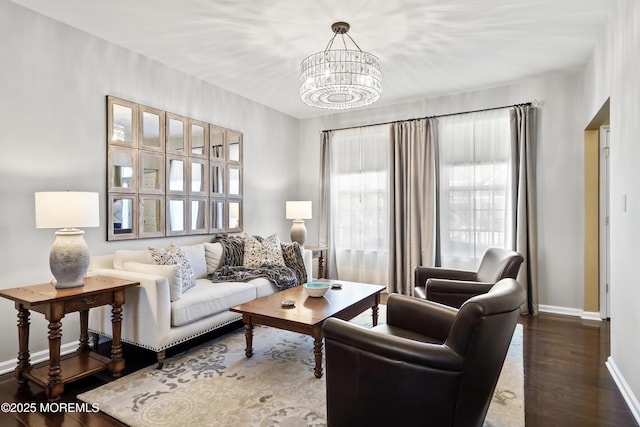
[[150, 319]]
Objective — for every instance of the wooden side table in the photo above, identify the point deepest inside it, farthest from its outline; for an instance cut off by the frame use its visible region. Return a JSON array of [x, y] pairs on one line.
[[319, 252], [54, 304]]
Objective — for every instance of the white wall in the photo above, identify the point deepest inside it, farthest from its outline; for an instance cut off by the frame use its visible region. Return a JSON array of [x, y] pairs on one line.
[[53, 85], [614, 71], [559, 168]]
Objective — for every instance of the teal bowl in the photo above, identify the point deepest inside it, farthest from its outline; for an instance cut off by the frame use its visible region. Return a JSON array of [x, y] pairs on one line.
[[316, 289]]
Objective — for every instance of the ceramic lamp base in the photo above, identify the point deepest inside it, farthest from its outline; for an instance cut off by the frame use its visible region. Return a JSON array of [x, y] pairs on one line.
[[298, 232], [69, 258]]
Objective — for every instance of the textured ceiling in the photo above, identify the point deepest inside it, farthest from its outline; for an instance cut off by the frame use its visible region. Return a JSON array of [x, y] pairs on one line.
[[427, 47]]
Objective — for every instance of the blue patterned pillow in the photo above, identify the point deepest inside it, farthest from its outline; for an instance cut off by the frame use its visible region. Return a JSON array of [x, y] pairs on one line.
[[173, 255]]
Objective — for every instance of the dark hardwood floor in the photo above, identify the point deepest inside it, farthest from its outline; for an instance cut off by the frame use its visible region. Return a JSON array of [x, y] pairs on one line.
[[566, 381]]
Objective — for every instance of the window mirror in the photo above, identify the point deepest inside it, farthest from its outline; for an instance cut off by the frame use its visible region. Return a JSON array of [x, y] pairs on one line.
[[199, 174], [122, 215], [235, 146], [122, 176], [169, 174], [122, 122], [151, 129], [235, 181], [176, 174], [176, 134], [235, 216], [176, 216], [217, 215], [151, 172], [152, 216], [198, 216], [216, 139], [217, 179]]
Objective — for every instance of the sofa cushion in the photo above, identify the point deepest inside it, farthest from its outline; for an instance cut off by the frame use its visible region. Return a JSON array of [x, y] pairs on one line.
[[207, 299], [196, 256], [123, 255], [213, 253], [171, 272], [266, 252], [171, 255]]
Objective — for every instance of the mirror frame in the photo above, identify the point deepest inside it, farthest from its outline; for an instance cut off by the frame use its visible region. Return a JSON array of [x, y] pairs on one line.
[[165, 154]]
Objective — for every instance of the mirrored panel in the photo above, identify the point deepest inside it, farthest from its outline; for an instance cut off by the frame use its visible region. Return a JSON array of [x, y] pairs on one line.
[[151, 129], [217, 179], [176, 216], [235, 181], [217, 215], [199, 175], [122, 122], [176, 134], [176, 174], [152, 172], [151, 216], [216, 138], [122, 171], [199, 132], [198, 216], [235, 145], [122, 216], [235, 216]]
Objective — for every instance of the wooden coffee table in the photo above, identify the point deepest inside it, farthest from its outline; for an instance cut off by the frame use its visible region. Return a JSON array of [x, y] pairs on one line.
[[308, 314]]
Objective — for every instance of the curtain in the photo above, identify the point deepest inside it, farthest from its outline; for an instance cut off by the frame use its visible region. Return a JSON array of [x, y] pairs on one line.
[[412, 200], [357, 161], [523, 123], [325, 237], [476, 206]]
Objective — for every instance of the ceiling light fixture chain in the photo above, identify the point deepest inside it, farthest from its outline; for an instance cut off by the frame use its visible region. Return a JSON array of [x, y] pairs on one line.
[[340, 78]]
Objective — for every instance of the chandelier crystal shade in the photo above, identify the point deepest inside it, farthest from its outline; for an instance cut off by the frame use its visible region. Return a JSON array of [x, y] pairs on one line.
[[340, 78]]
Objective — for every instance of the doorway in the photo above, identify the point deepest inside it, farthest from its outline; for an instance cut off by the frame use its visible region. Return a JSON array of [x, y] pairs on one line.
[[604, 258]]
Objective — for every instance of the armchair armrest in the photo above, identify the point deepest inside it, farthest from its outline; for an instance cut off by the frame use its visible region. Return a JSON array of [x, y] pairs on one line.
[[422, 274], [454, 292], [432, 356], [421, 316]]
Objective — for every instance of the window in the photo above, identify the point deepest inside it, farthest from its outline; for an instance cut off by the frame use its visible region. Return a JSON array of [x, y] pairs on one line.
[[475, 186]]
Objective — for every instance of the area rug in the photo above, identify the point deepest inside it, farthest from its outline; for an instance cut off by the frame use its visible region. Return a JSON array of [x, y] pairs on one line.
[[214, 384]]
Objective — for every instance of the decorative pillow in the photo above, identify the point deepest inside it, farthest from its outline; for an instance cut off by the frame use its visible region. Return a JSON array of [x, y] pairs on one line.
[[213, 256], [292, 255], [171, 272], [196, 256], [124, 255], [171, 255], [267, 252]]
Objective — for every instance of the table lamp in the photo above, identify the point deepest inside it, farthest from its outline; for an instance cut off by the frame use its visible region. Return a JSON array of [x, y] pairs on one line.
[[69, 256], [298, 211]]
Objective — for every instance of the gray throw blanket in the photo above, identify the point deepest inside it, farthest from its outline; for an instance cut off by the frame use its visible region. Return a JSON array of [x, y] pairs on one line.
[[231, 269]]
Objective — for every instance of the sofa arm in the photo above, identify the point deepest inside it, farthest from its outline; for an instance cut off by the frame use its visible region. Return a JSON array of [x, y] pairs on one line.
[[147, 308], [421, 316], [454, 292], [422, 274]]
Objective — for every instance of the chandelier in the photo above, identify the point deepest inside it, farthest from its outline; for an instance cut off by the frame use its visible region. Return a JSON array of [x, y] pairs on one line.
[[340, 78]]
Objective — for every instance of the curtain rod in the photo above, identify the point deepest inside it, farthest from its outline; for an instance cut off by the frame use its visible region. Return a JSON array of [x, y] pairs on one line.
[[534, 103]]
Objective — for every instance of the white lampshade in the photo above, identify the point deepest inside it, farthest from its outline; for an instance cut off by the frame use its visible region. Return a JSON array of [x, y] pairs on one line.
[[67, 209], [298, 209]]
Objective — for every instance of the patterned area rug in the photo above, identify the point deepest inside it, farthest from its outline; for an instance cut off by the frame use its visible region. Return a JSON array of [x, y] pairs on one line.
[[214, 384]]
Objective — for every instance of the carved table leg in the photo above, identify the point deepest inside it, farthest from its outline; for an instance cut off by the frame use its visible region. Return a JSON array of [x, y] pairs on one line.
[[248, 335], [117, 362], [84, 334], [317, 353], [55, 387], [23, 343], [374, 314], [96, 340]]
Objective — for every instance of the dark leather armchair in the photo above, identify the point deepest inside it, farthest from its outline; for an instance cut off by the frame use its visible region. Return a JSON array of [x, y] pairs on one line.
[[453, 287], [429, 365]]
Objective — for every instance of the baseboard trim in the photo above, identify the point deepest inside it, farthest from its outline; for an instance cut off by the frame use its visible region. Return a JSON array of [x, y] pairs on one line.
[[566, 311], [625, 390], [37, 357]]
